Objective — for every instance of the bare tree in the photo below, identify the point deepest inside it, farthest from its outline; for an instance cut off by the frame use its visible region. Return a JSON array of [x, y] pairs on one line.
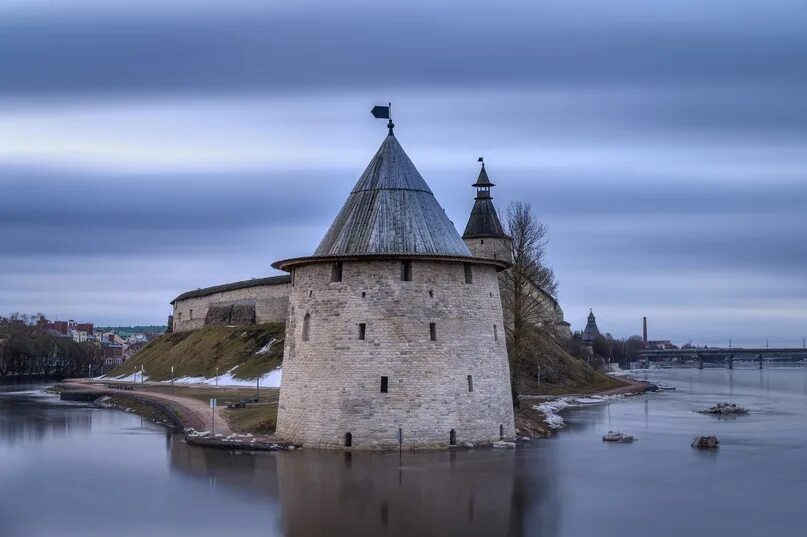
[[527, 288]]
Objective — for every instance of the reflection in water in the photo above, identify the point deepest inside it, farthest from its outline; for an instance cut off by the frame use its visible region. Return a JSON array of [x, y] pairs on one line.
[[138, 480], [45, 416], [446, 493], [237, 473]]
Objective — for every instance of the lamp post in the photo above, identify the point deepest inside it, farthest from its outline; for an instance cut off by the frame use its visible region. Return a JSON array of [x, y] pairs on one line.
[[217, 376], [172, 375]]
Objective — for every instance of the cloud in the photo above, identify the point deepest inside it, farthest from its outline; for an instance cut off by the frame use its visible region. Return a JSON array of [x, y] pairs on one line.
[[318, 48], [153, 147]]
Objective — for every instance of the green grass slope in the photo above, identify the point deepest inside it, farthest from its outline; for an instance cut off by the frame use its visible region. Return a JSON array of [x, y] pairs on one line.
[[551, 370], [200, 352]]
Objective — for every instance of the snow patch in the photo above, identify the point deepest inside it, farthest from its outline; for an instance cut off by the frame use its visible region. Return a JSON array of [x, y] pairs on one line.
[[134, 377], [269, 380], [268, 347], [551, 409]]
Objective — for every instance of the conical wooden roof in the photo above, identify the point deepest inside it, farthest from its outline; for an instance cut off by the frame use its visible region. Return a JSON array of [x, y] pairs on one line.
[[591, 332], [391, 210], [483, 222]]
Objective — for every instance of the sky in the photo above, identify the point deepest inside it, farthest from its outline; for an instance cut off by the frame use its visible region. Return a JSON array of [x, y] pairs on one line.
[[150, 147]]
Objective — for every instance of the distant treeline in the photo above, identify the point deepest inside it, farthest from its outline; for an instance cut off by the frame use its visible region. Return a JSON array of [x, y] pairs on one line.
[[606, 348], [25, 350], [155, 329]]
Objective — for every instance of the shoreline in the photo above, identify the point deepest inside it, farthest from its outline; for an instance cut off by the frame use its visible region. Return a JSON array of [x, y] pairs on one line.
[[182, 415], [192, 418], [545, 422]]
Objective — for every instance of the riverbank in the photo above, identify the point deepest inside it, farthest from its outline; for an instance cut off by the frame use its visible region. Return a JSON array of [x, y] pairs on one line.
[[537, 415], [186, 410]]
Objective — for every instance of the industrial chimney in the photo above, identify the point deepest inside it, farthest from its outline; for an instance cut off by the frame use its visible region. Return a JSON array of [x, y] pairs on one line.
[[644, 331]]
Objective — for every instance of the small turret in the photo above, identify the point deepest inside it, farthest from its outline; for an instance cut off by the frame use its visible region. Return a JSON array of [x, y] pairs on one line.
[[484, 233], [591, 332]]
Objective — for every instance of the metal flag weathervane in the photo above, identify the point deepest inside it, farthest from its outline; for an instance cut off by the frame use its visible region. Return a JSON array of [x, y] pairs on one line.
[[384, 112]]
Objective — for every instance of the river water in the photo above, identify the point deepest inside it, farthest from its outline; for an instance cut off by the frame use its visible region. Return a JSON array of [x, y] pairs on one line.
[[70, 470]]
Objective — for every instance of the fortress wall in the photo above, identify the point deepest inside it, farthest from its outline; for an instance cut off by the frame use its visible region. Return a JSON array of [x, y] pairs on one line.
[[491, 248], [499, 248], [331, 383], [271, 305]]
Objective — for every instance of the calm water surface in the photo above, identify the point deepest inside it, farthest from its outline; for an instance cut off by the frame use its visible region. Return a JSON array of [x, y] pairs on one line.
[[69, 470]]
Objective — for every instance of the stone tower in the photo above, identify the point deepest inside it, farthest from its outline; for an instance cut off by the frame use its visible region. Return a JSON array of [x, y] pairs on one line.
[[590, 332], [484, 234], [395, 329]]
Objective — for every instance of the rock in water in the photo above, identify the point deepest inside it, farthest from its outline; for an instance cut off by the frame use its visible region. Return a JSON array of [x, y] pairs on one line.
[[706, 442], [724, 409], [615, 436], [504, 445]]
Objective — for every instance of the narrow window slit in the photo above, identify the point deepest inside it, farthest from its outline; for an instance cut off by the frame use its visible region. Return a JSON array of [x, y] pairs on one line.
[[362, 330], [433, 331], [306, 326], [336, 272], [406, 271], [470, 383], [384, 384], [348, 440]]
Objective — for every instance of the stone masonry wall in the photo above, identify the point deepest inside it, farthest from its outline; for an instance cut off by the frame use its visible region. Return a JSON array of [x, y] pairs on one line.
[[491, 248], [331, 383], [271, 305], [498, 248]]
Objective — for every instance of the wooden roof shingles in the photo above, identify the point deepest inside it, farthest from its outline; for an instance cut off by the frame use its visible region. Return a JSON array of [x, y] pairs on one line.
[[391, 210]]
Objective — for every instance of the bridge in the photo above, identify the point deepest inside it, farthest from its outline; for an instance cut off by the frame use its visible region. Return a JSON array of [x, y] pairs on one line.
[[726, 356]]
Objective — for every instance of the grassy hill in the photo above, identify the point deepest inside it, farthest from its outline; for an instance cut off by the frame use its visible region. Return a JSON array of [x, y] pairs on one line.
[[550, 369], [198, 353]]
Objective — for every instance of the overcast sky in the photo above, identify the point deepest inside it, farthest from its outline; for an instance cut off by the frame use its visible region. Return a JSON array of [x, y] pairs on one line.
[[147, 149]]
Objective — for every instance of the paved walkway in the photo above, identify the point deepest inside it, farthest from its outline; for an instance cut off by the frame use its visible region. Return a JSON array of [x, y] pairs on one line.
[[195, 413]]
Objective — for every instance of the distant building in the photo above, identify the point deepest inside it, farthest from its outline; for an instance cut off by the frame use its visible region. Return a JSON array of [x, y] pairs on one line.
[[591, 332], [112, 354], [65, 327], [661, 344], [79, 336]]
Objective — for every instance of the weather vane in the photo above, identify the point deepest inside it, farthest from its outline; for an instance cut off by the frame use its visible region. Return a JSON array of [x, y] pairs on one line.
[[384, 112]]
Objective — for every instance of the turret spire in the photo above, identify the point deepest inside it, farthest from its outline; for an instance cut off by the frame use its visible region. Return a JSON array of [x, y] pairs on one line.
[[484, 222], [591, 332], [482, 183]]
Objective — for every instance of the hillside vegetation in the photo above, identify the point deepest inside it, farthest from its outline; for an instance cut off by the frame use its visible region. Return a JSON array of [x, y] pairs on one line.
[[548, 369], [200, 352]]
